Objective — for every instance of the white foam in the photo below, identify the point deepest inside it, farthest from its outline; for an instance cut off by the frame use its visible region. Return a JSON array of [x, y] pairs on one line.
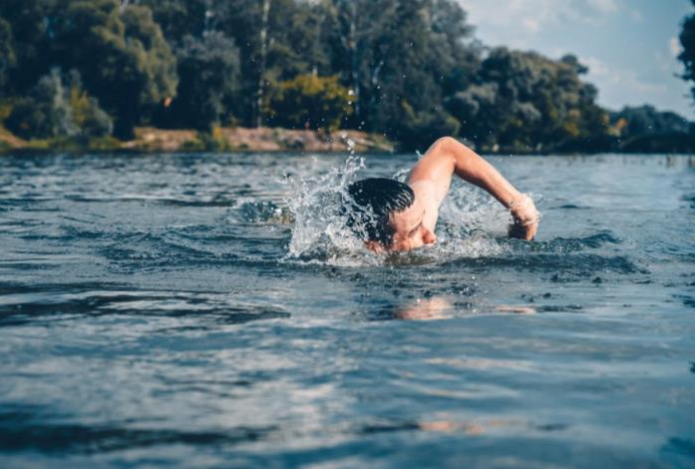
[[470, 220]]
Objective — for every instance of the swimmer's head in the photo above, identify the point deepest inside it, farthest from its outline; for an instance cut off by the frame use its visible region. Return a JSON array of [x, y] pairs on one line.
[[387, 216]]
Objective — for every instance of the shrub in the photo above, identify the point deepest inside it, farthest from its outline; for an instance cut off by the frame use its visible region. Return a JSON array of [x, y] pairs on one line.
[[419, 130], [309, 102], [209, 72], [58, 107]]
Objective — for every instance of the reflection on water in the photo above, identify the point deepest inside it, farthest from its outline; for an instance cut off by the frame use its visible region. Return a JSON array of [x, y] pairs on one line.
[[212, 309], [430, 309], [427, 309]]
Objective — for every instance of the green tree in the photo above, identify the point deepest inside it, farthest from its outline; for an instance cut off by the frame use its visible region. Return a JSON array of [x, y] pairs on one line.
[[87, 115], [208, 71], [181, 18], [45, 112], [396, 55], [292, 43], [122, 55], [647, 120], [57, 106], [27, 33], [687, 56], [296, 43], [118, 49], [311, 102], [277, 40], [523, 100], [7, 56], [419, 130]]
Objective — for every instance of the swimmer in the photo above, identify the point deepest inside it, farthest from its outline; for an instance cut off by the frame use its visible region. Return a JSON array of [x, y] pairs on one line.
[[401, 217]]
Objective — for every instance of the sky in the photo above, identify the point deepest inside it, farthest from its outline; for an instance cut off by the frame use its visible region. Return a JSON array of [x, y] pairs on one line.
[[630, 46]]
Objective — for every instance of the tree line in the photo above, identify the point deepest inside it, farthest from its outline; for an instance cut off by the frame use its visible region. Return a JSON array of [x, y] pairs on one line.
[[410, 70]]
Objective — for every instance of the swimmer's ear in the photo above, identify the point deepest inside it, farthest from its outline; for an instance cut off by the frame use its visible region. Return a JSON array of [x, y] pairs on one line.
[[374, 246]]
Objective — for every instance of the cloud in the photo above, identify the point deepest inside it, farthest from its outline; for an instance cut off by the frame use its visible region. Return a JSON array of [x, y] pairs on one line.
[[620, 85], [516, 22], [674, 46], [531, 25], [542, 12], [604, 6], [597, 68]]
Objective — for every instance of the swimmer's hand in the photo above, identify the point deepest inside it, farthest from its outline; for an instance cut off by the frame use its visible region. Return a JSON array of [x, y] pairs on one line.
[[526, 218]]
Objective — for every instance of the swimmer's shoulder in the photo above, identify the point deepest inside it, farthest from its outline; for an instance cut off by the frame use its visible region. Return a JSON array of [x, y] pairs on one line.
[[427, 195]]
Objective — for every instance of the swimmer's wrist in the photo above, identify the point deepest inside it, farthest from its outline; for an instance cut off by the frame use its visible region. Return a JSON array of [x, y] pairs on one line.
[[511, 199], [524, 210], [516, 201]]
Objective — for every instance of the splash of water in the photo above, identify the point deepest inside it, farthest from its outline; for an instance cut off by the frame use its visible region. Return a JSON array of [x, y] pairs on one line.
[[320, 232], [469, 222]]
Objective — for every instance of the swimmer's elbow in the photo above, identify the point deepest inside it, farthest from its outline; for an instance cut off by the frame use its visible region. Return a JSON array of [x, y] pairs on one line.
[[445, 145], [451, 148]]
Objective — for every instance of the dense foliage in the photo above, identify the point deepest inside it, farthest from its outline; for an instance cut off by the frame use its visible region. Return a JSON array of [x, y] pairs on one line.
[[687, 55], [119, 52], [311, 102], [408, 69], [646, 120], [57, 106], [208, 69], [529, 100]]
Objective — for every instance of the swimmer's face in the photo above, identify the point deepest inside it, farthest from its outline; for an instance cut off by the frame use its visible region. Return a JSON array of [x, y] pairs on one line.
[[409, 230]]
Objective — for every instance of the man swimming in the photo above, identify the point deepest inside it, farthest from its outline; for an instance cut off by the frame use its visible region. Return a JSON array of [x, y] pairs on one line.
[[392, 216]]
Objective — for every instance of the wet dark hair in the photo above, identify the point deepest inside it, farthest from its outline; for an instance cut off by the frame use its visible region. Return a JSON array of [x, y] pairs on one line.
[[372, 202]]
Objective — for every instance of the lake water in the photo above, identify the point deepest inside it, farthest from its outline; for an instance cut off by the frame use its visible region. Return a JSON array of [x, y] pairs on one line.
[[209, 311]]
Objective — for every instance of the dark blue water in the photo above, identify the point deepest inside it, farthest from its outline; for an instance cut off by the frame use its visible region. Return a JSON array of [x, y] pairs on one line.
[[159, 311]]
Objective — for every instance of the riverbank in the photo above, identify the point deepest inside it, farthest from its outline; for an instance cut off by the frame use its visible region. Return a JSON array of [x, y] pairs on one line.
[[269, 140], [239, 139]]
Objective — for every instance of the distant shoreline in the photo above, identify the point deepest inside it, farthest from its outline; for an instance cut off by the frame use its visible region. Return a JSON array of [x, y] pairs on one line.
[[280, 140], [221, 139]]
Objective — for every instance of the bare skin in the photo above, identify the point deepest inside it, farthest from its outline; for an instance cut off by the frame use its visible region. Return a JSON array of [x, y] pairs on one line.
[[430, 179]]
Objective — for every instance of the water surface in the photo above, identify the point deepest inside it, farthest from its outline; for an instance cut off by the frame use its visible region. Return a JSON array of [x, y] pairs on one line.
[[205, 311]]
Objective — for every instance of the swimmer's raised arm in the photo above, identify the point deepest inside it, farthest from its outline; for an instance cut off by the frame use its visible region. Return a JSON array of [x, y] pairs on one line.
[[431, 178]]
